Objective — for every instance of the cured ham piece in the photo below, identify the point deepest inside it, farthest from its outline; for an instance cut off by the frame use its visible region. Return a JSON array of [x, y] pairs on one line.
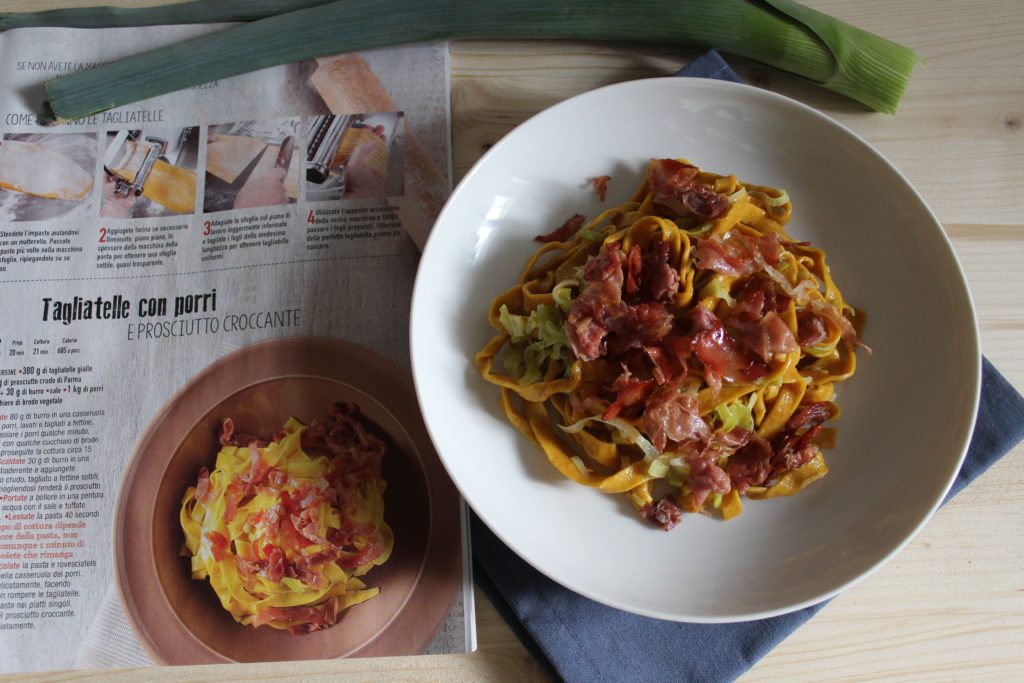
[[599, 321], [637, 326], [629, 392], [660, 279], [588, 322], [703, 202], [829, 313], [768, 336], [814, 414], [674, 415], [668, 177], [811, 329], [203, 492], [661, 362], [706, 478], [310, 618], [229, 437], [665, 513], [737, 254], [721, 355], [750, 465], [672, 183], [569, 228]]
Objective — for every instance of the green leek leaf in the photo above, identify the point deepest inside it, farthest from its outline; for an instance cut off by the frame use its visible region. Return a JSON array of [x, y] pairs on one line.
[[780, 33], [196, 12], [862, 58]]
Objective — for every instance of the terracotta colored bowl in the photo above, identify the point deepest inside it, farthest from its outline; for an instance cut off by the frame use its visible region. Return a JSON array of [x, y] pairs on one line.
[[180, 620]]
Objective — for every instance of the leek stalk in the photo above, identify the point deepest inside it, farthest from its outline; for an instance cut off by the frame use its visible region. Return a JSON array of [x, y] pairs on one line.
[[780, 33], [195, 12]]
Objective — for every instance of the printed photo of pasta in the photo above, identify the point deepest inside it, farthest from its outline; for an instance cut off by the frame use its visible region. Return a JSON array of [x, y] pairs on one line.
[[286, 504], [46, 176], [150, 172], [286, 526]]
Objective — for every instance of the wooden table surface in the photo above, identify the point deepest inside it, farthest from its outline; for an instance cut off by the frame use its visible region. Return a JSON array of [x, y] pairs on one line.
[[950, 606]]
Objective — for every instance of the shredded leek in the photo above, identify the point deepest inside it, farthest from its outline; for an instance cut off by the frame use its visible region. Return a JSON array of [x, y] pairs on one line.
[[591, 235], [515, 325], [699, 231], [737, 195], [738, 413], [658, 468], [780, 33], [719, 288], [544, 337], [562, 293], [627, 432], [769, 200]]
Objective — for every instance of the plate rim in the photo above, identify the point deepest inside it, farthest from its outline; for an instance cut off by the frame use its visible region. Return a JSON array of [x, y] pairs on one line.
[[934, 227]]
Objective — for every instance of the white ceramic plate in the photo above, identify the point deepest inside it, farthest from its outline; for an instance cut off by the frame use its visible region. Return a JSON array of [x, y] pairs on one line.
[[907, 414]]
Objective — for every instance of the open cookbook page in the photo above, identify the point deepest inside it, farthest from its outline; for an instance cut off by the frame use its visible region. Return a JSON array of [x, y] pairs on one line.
[[210, 447]]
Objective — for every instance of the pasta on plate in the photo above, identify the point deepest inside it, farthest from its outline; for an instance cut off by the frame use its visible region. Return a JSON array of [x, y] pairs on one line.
[[680, 349], [285, 525]]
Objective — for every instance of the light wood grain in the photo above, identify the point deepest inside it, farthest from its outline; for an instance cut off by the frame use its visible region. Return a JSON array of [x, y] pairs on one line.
[[950, 606]]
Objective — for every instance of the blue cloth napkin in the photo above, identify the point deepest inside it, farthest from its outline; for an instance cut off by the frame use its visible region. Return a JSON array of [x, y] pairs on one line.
[[583, 641]]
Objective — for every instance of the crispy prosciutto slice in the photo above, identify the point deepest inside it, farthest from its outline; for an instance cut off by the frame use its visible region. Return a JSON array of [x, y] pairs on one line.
[[662, 366], [811, 329], [673, 415], [600, 321], [738, 254], [590, 317], [793, 451], [756, 295], [751, 464], [203, 492], [768, 336], [703, 202], [229, 437], [668, 177], [629, 392], [832, 315], [811, 415], [310, 618], [639, 325], [722, 357], [660, 278], [565, 231], [706, 478], [634, 267], [673, 186], [665, 513]]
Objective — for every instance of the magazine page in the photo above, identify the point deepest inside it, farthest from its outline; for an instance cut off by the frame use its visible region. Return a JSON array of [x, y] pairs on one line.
[[210, 447]]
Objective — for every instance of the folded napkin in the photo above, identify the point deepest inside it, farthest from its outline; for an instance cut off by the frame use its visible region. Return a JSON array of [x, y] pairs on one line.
[[582, 640]]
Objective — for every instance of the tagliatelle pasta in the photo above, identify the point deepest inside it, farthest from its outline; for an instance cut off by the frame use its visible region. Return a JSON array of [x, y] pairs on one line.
[[680, 348], [284, 525]]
